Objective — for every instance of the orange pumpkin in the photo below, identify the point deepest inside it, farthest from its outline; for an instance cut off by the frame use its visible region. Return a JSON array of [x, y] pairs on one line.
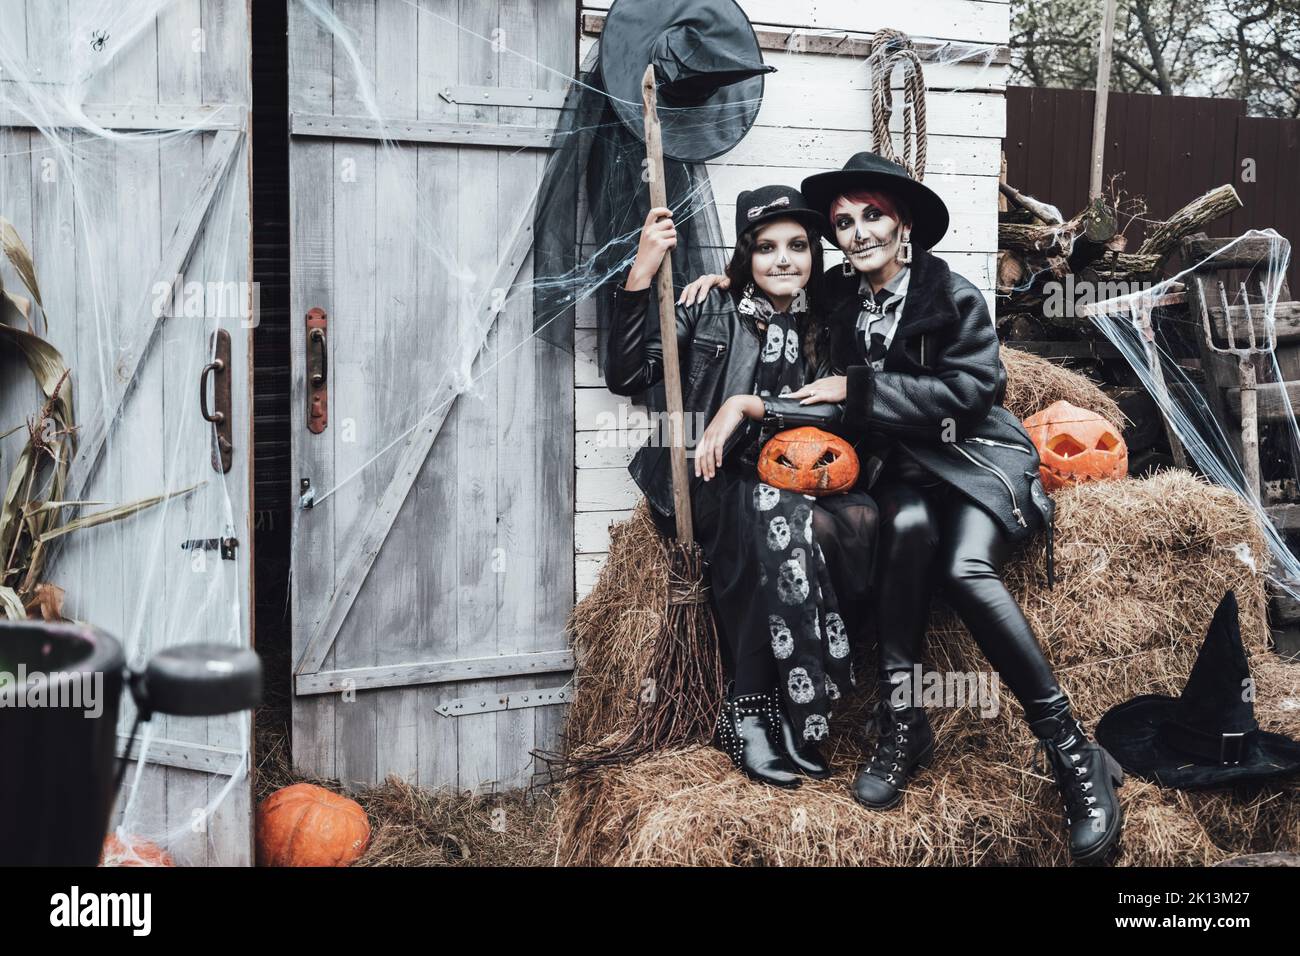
[[808, 460], [1075, 445], [307, 825], [133, 851]]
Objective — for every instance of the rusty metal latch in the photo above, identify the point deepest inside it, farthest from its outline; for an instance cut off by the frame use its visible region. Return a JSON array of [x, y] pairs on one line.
[[219, 370], [317, 371]]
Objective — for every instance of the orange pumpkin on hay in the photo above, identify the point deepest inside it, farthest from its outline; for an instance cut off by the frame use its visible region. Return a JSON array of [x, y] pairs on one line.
[[808, 460], [1075, 445], [133, 851], [307, 825]]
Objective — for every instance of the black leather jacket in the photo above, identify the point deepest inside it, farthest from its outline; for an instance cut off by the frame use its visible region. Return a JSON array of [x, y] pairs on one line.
[[938, 397], [719, 358]]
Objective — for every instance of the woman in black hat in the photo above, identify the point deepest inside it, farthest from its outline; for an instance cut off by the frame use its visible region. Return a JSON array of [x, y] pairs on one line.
[[954, 474], [780, 562]]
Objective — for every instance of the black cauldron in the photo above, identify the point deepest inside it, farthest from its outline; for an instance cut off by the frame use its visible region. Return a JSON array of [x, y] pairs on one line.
[[60, 687]]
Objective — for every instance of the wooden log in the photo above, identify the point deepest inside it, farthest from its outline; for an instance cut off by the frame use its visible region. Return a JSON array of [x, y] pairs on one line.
[[1048, 215], [1196, 215]]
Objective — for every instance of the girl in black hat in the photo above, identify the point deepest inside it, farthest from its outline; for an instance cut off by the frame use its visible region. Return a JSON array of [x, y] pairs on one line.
[[955, 477], [780, 562]]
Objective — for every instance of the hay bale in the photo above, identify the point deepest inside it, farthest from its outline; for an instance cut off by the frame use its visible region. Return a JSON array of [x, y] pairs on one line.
[[1033, 383], [1141, 566]]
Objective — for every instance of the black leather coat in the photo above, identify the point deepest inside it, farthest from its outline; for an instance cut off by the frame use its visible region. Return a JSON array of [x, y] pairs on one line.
[[938, 397], [719, 358]]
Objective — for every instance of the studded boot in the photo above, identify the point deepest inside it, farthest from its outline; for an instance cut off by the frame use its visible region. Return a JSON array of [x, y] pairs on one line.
[[749, 732], [1086, 778], [805, 756], [904, 743]]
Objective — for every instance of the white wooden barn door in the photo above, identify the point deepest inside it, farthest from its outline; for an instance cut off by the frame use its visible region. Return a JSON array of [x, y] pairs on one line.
[[433, 570], [124, 159]]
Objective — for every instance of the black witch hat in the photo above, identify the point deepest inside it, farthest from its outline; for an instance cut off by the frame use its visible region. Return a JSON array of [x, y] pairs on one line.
[[707, 64], [871, 171], [1207, 737]]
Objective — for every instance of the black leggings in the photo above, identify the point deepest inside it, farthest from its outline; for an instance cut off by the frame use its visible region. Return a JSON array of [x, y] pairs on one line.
[[933, 536]]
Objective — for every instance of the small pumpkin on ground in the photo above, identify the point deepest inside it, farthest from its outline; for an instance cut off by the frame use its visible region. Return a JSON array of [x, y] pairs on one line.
[[307, 825]]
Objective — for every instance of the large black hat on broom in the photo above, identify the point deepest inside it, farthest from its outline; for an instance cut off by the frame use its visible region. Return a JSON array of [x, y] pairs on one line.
[[703, 63]]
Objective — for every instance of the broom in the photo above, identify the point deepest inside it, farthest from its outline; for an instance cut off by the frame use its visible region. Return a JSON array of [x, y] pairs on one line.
[[681, 692]]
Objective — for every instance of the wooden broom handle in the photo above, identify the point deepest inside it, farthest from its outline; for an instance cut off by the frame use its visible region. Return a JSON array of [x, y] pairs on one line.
[[667, 319]]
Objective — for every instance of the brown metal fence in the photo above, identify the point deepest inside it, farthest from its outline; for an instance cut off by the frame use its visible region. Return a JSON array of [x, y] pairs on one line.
[[1170, 150]]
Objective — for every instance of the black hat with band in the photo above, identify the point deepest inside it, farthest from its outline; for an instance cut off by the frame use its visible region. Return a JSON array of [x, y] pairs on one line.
[[754, 207], [868, 171]]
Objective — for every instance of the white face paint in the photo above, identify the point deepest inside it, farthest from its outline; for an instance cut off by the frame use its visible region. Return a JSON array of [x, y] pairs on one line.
[[782, 639], [772, 347], [778, 533], [800, 686]]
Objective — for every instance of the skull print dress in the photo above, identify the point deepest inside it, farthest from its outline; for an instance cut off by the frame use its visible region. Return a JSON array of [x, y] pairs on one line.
[[773, 590]]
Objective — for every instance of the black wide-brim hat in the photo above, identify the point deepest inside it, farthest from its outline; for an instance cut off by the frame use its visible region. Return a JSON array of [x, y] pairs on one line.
[[708, 67], [1207, 737], [754, 207], [869, 171]]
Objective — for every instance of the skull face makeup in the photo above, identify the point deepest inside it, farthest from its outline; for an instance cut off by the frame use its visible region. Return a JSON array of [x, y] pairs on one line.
[[782, 639]]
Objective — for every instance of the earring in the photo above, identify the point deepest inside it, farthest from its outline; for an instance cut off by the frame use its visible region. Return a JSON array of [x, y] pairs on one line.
[[905, 252], [846, 268]]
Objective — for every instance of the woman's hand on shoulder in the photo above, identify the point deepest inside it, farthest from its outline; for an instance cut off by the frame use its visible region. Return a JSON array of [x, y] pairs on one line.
[[699, 290], [832, 388]]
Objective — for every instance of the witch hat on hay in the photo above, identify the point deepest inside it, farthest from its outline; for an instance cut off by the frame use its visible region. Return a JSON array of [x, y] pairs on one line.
[[1207, 737], [708, 72]]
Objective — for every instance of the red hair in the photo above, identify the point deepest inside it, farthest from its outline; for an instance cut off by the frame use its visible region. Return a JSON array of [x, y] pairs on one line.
[[881, 200]]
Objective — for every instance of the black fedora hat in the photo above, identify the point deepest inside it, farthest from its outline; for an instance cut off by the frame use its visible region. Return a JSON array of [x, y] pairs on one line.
[[1207, 737], [870, 171], [707, 64], [754, 207]]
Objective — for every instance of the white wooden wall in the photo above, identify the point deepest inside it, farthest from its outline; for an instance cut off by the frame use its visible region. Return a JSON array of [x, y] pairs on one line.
[[816, 113]]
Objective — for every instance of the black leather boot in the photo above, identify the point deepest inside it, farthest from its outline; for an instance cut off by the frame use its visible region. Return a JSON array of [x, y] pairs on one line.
[[749, 732], [904, 743], [1086, 778], [805, 756]]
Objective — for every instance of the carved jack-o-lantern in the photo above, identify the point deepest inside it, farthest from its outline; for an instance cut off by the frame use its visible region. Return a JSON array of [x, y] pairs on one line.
[[1076, 445], [808, 460]]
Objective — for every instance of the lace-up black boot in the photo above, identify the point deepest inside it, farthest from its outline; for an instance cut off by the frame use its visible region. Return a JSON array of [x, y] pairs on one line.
[[749, 732], [1086, 777], [805, 756], [904, 743]]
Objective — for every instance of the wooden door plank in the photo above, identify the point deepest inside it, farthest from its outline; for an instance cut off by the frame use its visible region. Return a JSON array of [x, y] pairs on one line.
[[175, 257], [360, 557]]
